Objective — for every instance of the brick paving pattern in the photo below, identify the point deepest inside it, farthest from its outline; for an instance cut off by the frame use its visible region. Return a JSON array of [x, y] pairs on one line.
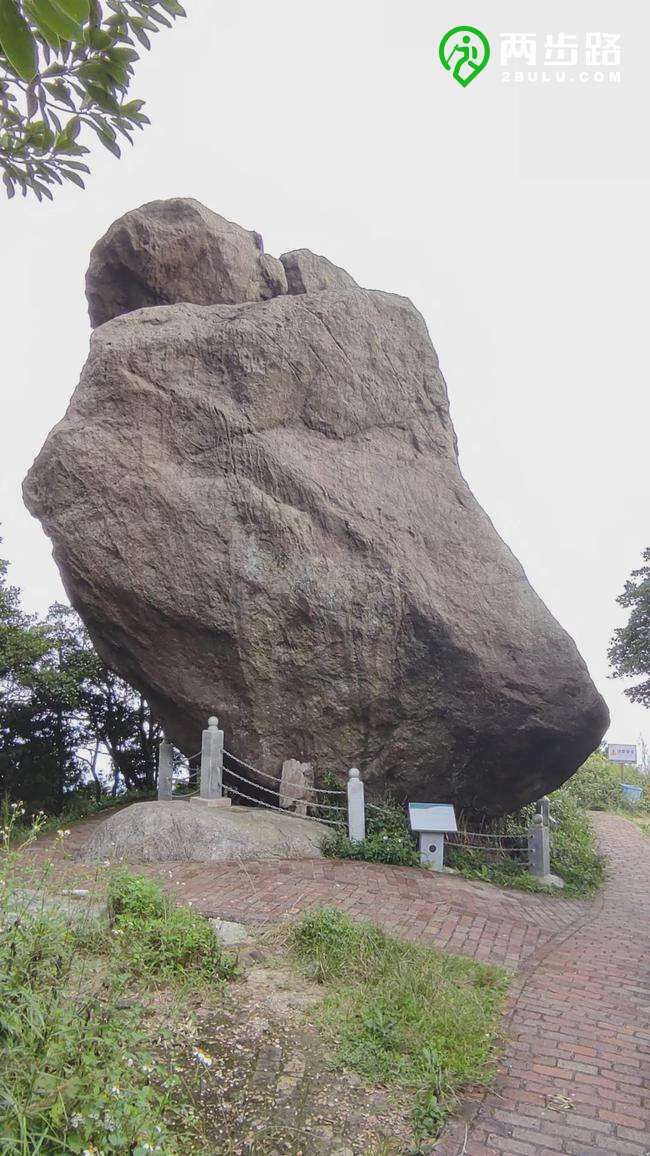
[[577, 1069], [467, 918], [576, 1073]]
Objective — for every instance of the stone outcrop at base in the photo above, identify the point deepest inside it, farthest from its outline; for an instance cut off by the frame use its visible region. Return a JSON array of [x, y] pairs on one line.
[[168, 832]]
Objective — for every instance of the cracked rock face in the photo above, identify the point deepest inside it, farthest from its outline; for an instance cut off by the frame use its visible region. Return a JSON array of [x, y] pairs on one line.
[[257, 509]]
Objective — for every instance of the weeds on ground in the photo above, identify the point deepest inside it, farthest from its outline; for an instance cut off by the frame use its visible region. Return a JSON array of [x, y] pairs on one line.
[[78, 806], [574, 856], [642, 822], [80, 1067], [402, 1014], [388, 838], [161, 940], [597, 786]]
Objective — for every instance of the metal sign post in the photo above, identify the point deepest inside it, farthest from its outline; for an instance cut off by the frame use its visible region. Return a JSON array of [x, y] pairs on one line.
[[623, 753]]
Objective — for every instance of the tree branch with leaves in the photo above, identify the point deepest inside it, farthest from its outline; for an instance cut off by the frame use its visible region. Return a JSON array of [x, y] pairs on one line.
[[66, 66], [629, 651]]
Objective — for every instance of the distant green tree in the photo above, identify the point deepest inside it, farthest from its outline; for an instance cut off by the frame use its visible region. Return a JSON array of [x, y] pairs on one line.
[[60, 706], [65, 66], [38, 728], [629, 652], [22, 642], [115, 715]]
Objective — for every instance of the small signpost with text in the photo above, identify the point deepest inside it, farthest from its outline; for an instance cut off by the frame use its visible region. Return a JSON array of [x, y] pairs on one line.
[[623, 753], [432, 821]]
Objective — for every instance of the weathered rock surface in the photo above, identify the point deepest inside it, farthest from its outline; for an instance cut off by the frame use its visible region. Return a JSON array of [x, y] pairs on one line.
[[308, 273], [169, 832], [177, 250], [258, 510]]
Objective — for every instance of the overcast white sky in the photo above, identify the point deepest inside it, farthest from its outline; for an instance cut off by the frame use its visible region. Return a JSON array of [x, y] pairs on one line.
[[514, 216]]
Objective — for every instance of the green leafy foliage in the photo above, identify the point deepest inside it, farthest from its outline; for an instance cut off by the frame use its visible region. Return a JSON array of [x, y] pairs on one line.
[[596, 786], [388, 838], [403, 1014], [66, 67], [80, 1071], [161, 940], [629, 652], [59, 704], [574, 856]]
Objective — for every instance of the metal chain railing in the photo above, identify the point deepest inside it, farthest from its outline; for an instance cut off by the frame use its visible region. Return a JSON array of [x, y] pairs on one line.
[[275, 792], [220, 775], [275, 778], [271, 807], [500, 849], [216, 779], [283, 794], [186, 760]]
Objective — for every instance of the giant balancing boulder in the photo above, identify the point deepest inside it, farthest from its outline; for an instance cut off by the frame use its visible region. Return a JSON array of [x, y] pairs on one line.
[[256, 506]]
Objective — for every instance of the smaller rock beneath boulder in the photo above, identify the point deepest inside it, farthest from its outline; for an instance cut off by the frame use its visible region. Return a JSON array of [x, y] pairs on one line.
[[296, 786], [171, 831], [309, 273]]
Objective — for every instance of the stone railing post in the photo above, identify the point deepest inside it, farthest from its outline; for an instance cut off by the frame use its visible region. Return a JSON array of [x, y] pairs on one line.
[[165, 764], [212, 762], [544, 809], [539, 848], [356, 807]]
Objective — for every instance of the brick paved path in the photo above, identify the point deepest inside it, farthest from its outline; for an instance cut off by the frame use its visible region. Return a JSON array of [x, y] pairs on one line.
[[467, 918], [464, 917], [576, 1074]]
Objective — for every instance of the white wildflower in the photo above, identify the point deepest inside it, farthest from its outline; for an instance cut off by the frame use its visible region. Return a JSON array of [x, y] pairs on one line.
[[202, 1057]]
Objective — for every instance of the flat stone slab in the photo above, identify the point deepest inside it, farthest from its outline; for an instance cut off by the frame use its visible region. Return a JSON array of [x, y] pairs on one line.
[[160, 832], [72, 906], [229, 932]]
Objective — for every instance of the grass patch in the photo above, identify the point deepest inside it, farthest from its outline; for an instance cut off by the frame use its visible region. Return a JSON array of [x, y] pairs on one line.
[[402, 1014], [82, 1068], [160, 939]]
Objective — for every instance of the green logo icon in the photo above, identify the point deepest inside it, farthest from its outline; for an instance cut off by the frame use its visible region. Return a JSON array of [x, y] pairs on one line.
[[464, 51]]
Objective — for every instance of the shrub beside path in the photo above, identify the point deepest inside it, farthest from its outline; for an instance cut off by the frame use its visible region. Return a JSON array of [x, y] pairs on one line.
[[575, 1078]]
